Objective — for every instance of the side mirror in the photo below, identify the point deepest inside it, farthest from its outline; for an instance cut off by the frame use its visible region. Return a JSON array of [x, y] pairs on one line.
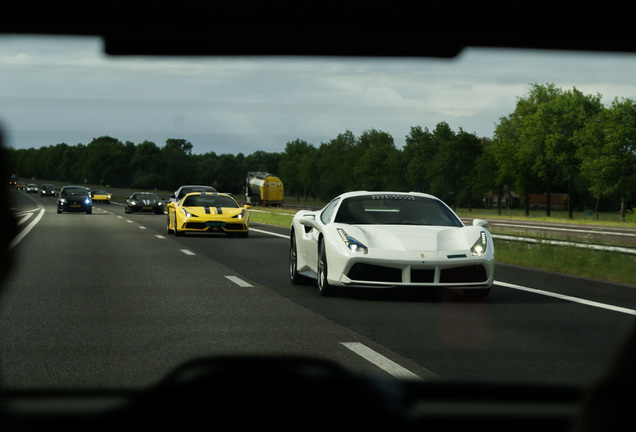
[[247, 206], [308, 220], [480, 222]]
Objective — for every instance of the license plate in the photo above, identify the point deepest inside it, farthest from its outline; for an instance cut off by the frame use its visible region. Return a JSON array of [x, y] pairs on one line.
[[147, 208], [215, 224], [75, 205]]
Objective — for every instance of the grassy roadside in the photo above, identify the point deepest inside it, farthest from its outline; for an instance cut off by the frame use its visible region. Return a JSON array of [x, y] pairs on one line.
[[575, 261]]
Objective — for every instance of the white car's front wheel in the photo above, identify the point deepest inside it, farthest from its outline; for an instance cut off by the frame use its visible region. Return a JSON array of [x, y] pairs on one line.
[[323, 284]]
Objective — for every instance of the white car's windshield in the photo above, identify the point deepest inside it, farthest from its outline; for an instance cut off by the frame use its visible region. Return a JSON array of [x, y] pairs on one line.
[[395, 209]]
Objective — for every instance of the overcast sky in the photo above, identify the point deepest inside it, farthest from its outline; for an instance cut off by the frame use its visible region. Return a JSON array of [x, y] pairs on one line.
[[55, 90]]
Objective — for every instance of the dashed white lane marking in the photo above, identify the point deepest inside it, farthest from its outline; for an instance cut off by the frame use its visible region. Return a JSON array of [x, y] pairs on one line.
[[142, 227], [159, 236], [569, 298], [380, 361], [240, 282], [187, 252]]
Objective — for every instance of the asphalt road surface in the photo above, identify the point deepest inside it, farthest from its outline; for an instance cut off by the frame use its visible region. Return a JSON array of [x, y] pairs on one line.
[[110, 300]]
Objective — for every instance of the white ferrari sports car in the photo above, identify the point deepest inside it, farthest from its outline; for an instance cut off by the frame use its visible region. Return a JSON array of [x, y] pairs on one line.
[[390, 239]]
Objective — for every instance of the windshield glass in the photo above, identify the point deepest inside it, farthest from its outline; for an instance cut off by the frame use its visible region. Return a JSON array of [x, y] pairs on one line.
[[209, 201], [395, 210], [74, 192], [150, 197], [508, 136]]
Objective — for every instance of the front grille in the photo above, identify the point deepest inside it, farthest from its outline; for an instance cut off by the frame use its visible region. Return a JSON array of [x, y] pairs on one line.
[[473, 273], [374, 273], [423, 275], [196, 225]]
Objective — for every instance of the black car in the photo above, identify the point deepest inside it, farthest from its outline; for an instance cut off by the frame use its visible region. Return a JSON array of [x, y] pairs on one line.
[[144, 202], [74, 198], [47, 190], [184, 190]]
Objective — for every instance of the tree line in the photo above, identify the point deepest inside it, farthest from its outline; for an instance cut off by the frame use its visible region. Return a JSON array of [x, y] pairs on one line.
[[555, 141]]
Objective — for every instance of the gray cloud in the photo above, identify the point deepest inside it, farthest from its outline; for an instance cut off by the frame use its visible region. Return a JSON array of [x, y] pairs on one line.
[[56, 90]]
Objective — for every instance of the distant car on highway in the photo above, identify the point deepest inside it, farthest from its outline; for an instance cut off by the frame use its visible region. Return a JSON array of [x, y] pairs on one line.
[[47, 190], [20, 186], [184, 190], [74, 198], [390, 239], [208, 212], [100, 195], [144, 202], [32, 188]]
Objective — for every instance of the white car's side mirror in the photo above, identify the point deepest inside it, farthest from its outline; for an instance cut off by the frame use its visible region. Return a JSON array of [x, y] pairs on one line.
[[480, 222], [308, 220]]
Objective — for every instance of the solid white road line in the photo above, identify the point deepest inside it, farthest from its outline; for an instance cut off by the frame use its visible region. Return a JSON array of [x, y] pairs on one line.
[[568, 298], [240, 282], [270, 233], [380, 361]]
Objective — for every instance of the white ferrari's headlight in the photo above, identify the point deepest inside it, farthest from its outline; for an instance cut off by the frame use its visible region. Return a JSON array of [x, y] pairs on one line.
[[352, 243], [480, 246]]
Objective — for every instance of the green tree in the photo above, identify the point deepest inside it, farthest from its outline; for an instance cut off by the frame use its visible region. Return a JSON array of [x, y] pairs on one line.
[[107, 161], [335, 165], [513, 159], [292, 166], [608, 151], [440, 161], [418, 155], [374, 153], [177, 163]]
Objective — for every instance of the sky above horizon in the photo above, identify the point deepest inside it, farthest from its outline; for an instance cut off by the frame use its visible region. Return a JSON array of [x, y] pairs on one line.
[[65, 90]]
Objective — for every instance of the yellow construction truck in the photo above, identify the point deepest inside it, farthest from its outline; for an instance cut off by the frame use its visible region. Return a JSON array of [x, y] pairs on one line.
[[262, 188]]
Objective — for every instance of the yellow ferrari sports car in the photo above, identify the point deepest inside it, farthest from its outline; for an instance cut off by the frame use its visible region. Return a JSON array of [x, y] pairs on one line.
[[100, 195], [208, 212]]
